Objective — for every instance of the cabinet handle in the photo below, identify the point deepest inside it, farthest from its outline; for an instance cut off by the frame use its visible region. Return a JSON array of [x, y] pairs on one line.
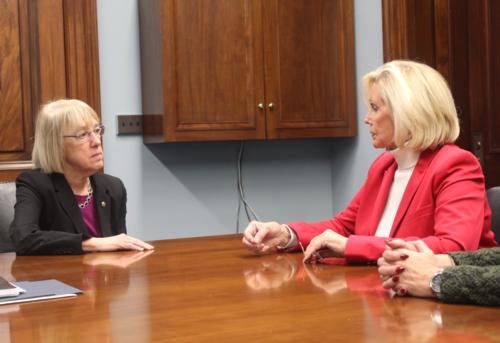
[[271, 106], [260, 106]]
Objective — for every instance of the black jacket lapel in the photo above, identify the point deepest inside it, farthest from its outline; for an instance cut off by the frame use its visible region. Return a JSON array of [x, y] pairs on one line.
[[102, 201], [67, 201]]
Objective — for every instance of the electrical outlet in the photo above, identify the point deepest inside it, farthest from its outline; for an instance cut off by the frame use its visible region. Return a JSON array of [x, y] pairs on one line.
[[130, 124]]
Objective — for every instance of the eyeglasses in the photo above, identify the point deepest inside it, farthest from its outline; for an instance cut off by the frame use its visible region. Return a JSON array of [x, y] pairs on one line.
[[97, 131]]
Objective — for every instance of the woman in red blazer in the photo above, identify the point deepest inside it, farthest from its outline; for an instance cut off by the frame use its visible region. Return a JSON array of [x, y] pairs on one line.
[[422, 187]]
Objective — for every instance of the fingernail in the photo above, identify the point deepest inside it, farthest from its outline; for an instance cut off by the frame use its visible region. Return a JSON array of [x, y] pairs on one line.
[[400, 269], [404, 256], [388, 240], [395, 279], [402, 291]]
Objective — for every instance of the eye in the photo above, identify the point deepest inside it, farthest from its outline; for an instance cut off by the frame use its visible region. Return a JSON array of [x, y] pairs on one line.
[[81, 135], [374, 107], [99, 130]]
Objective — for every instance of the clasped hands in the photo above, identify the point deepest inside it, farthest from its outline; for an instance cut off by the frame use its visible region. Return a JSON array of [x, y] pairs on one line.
[[262, 237], [408, 267]]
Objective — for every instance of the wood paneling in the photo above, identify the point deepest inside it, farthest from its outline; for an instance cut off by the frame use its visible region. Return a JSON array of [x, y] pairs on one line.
[[409, 30], [49, 51], [11, 113], [464, 36], [82, 51], [48, 40], [490, 24]]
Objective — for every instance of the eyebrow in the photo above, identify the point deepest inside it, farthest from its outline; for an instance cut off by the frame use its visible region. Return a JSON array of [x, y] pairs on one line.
[[376, 103], [85, 128]]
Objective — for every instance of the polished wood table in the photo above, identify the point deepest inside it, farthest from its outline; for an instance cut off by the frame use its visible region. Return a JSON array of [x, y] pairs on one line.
[[212, 290]]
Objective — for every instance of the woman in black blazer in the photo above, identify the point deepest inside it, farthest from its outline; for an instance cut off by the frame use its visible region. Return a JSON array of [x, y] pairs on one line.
[[66, 205]]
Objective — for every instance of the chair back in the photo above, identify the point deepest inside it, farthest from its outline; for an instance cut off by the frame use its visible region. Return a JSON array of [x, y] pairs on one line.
[[494, 200], [7, 201]]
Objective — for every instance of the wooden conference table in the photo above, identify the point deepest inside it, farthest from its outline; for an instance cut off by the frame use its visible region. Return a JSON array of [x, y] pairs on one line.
[[213, 290]]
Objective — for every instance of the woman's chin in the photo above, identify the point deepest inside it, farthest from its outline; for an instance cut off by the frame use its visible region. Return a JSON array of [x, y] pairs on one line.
[[98, 166]]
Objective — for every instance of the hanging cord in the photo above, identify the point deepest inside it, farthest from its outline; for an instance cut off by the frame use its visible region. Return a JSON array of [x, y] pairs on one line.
[[241, 192]]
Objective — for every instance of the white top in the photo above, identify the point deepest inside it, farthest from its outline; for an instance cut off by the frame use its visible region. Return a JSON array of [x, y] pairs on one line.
[[406, 160]]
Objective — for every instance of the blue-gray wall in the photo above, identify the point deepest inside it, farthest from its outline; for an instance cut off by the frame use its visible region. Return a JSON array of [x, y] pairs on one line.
[[190, 189]]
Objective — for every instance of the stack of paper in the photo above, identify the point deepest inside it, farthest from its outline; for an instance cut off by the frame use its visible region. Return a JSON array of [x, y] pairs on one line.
[[8, 289]]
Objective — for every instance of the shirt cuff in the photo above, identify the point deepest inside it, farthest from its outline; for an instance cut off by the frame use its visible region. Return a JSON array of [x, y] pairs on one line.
[[292, 243]]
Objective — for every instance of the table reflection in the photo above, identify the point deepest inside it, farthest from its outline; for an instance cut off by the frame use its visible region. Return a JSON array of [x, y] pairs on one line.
[[113, 259], [100, 273], [272, 272], [418, 320], [328, 282]]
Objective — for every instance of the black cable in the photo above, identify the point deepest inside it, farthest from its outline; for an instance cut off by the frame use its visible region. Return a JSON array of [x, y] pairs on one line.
[[241, 191], [240, 182]]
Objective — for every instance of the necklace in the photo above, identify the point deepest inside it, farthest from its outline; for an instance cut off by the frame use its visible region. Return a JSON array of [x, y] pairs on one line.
[[86, 203]]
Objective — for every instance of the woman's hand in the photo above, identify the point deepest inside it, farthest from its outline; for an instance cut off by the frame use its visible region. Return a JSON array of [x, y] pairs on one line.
[[390, 259], [114, 243], [328, 244], [261, 237], [409, 271]]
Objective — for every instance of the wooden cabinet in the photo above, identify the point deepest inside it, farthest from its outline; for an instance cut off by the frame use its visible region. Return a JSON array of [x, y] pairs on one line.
[[48, 50], [247, 69]]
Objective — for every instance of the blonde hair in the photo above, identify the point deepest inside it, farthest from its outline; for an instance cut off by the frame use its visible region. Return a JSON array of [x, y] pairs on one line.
[[420, 103], [54, 118]]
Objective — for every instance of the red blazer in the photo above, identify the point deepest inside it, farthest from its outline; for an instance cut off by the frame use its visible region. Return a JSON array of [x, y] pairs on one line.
[[444, 204]]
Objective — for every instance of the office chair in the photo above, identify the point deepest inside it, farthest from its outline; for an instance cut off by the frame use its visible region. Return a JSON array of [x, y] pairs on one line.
[[494, 199], [7, 201]]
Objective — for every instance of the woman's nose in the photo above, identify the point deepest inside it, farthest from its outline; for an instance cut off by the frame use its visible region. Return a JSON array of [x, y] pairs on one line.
[[367, 120], [95, 139]]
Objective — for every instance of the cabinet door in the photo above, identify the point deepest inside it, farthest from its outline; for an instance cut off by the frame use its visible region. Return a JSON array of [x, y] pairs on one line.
[[309, 68], [12, 139], [212, 69], [48, 50]]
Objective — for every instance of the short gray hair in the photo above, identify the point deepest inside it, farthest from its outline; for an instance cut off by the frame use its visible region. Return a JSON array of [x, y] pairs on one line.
[[53, 119]]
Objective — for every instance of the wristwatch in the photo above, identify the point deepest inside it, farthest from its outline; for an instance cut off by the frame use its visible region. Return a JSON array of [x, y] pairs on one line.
[[435, 283]]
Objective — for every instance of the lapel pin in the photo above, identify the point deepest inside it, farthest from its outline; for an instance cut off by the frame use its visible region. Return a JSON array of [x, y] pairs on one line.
[[103, 203]]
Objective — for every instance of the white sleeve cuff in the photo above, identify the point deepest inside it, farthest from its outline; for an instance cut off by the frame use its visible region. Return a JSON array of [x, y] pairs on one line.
[[293, 242]]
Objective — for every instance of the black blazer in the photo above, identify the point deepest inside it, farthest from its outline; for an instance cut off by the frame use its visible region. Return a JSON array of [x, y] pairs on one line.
[[47, 219]]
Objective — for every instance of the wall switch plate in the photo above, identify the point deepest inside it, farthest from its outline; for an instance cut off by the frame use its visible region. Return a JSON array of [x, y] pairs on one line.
[[130, 124]]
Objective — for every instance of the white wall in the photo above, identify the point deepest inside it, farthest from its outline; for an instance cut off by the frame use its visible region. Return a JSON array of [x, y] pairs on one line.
[[189, 189]]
